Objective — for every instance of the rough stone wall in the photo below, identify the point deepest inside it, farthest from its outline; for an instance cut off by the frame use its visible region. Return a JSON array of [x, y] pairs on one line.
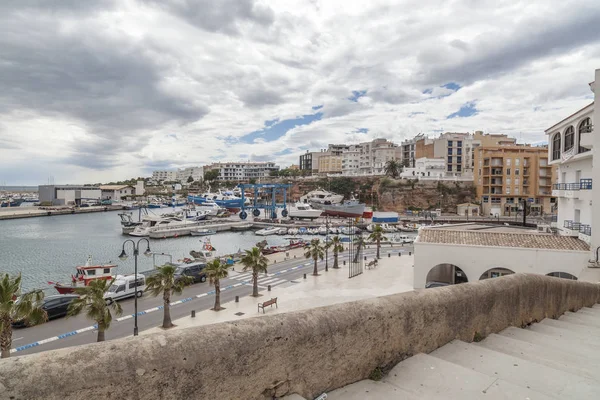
[[306, 352]]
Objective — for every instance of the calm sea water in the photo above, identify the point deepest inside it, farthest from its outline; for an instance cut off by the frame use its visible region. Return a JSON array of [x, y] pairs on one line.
[[48, 248]]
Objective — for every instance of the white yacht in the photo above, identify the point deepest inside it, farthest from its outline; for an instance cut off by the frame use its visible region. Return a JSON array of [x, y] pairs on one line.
[[301, 210], [268, 231], [210, 207], [321, 196], [152, 223]]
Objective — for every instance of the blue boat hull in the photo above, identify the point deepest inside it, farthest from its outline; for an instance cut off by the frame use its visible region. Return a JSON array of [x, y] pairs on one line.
[[234, 204]]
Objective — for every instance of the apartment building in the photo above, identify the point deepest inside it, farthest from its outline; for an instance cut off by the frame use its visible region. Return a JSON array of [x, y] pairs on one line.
[[369, 158], [183, 174], [162, 176], [571, 141], [507, 176], [330, 164], [242, 171], [408, 150]]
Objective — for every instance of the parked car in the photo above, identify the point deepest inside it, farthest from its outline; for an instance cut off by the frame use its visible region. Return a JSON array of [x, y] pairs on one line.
[[124, 287], [56, 306], [193, 270], [433, 284]]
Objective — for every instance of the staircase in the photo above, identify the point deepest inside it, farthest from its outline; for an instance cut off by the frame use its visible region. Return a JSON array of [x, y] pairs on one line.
[[553, 359]]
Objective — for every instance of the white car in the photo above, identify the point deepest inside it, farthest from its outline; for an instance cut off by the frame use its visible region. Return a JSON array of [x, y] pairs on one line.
[[124, 286]]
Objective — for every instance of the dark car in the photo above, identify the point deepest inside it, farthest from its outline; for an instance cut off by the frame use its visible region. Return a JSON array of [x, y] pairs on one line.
[[433, 284], [194, 270], [55, 307]]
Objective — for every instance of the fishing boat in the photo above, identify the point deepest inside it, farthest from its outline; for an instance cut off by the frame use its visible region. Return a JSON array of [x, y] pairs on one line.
[[303, 211], [267, 231], [155, 204], [203, 232], [224, 199], [127, 223], [348, 208], [84, 275]]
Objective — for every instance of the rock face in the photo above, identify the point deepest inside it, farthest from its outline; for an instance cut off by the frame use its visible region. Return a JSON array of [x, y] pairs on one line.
[[307, 352]]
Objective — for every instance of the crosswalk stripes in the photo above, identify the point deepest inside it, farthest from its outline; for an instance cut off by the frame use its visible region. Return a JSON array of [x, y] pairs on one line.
[[262, 280]]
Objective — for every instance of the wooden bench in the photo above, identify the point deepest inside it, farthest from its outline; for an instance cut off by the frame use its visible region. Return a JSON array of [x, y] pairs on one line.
[[267, 303]]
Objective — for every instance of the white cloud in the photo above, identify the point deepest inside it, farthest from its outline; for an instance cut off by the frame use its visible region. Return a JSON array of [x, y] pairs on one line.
[[109, 90]]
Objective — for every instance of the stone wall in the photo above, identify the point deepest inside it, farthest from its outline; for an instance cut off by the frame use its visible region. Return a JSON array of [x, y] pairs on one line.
[[306, 352]]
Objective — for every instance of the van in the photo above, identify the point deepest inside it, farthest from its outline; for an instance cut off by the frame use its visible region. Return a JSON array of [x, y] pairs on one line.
[[194, 271], [124, 286]]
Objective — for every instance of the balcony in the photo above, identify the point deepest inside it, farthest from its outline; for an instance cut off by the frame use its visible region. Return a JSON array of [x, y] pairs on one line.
[[571, 190], [572, 225], [586, 138]]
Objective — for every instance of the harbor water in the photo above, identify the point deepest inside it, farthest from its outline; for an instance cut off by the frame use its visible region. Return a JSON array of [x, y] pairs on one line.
[[48, 249]]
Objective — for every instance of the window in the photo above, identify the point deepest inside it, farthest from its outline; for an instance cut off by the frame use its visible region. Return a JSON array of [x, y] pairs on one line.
[[517, 170], [121, 288], [106, 270], [459, 168], [459, 160], [508, 181], [516, 181], [569, 138], [459, 143], [556, 146], [508, 162], [91, 272], [459, 151], [449, 168], [517, 162], [507, 171], [449, 143], [507, 191], [584, 127], [449, 151], [449, 159], [485, 199], [516, 190]]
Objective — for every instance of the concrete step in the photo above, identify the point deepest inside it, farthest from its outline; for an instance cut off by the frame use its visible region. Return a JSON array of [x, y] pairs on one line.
[[433, 378], [580, 329], [370, 390], [589, 311], [524, 373], [562, 340], [560, 359], [584, 319]]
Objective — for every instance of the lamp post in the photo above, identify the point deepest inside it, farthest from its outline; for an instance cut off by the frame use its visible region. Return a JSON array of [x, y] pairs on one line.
[[123, 256], [326, 243]]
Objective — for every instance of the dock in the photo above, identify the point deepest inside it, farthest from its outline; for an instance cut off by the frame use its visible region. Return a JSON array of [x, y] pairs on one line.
[[186, 230], [31, 212]]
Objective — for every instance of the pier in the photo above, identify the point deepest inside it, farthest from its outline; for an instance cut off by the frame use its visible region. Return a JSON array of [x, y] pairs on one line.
[[31, 212]]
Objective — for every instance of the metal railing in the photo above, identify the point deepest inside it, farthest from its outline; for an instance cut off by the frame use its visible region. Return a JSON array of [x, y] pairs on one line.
[[584, 184], [572, 225], [585, 229]]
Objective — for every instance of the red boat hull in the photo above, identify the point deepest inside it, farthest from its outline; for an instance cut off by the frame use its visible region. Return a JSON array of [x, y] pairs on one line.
[[62, 289]]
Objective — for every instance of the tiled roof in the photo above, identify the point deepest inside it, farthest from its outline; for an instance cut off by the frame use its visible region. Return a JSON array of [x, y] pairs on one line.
[[114, 187], [501, 239]]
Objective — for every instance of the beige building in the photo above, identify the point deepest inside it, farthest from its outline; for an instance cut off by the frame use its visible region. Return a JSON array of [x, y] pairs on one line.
[[505, 176], [467, 209], [330, 164]]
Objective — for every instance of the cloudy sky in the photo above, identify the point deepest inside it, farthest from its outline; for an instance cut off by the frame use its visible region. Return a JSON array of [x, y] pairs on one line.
[[109, 89]]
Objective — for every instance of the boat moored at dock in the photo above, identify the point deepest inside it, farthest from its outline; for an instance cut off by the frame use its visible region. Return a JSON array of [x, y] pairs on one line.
[[84, 275]]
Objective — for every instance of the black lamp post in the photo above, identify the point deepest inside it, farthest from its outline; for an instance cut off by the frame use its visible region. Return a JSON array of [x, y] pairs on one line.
[[136, 252], [326, 243]]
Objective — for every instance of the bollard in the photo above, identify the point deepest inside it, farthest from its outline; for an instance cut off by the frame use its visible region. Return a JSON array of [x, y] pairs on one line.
[[389, 255], [399, 254], [269, 288], [287, 253], [304, 276], [237, 299], [365, 258], [193, 313], [410, 253], [294, 256], [344, 262]]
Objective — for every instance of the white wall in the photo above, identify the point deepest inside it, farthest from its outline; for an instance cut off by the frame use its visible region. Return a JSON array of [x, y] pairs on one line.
[[596, 172], [475, 260]]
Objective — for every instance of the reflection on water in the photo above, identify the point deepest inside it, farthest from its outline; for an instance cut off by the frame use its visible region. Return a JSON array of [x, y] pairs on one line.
[[48, 248]]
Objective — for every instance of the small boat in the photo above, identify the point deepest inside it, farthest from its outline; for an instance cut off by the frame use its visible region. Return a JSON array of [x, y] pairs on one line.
[[267, 231], [84, 275], [302, 231], [350, 230], [321, 196], [241, 227], [303, 211], [322, 230], [293, 231], [155, 204], [203, 232], [349, 208], [282, 231]]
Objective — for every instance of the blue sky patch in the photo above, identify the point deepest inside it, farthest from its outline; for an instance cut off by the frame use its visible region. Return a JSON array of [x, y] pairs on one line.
[[452, 86], [317, 107], [467, 110], [357, 94], [274, 129], [427, 91], [362, 130]]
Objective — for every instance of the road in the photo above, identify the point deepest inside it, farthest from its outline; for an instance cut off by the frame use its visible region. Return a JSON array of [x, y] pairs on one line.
[[59, 333]]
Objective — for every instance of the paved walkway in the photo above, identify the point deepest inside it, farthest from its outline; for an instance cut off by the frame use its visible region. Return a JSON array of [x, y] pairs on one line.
[[393, 275]]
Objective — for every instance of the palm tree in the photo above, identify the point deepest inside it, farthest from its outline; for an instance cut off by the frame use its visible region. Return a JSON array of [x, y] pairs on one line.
[[257, 262], [377, 236], [165, 282], [337, 246], [91, 299], [391, 168], [315, 251], [14, 308], [216, 270], [359, 243]]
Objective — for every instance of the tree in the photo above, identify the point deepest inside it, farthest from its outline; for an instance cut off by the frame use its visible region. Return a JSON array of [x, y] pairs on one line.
[[91, 299], [359, 243], [254, 260], [337, 246], [216, 270], [377, 236], [190, 179], [391, 168], [274, 173], [165, 282], [13, 308], [315, 251], [211, 175]]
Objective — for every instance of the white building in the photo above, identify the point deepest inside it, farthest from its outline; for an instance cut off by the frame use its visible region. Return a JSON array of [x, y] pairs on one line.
[[162, 176], [116, 192], [68, 195], [571, 153], [426, 169], [369, 158], [183, 174], [407, 148], [243, 171], [471, 252]]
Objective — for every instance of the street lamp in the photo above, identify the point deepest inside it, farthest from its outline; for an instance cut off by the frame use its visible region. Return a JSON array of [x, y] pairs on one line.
[[326, 242], [136, 252]]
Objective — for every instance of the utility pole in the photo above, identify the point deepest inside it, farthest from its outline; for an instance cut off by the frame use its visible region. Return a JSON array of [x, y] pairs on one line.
[[524, 212]]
